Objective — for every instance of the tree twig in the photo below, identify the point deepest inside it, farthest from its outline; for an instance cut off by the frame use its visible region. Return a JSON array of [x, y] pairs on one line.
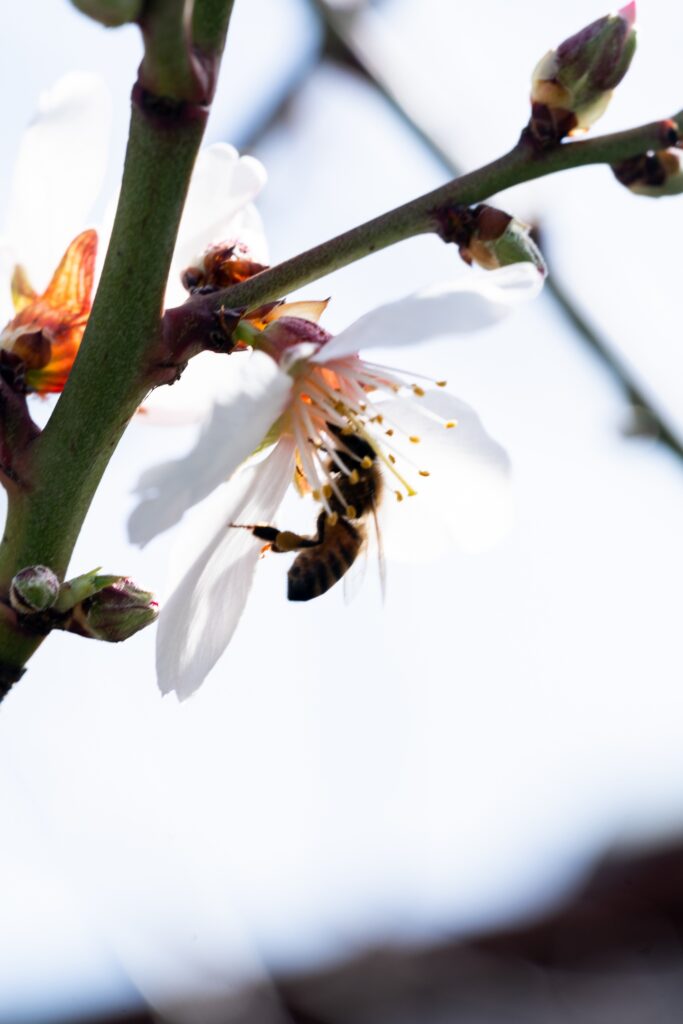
[[428, 213], [363, 38]]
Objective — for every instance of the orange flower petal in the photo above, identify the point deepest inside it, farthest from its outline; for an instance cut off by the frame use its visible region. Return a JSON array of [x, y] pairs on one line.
[[22, 292], [71, 284], [47, 330]]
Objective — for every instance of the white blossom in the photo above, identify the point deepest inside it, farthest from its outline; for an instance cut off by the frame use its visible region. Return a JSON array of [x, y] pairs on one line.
[[431, 447], [58, 177]]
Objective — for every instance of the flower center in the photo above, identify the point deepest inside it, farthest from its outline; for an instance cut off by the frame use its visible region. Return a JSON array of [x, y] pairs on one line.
[[343, 399]]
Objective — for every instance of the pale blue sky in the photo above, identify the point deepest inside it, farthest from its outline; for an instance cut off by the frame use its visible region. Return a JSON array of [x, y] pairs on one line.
[[465, 750]]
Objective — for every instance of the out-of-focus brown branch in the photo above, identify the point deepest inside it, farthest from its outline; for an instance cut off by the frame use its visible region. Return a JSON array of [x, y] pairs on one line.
[[611, 952], [362, 37]]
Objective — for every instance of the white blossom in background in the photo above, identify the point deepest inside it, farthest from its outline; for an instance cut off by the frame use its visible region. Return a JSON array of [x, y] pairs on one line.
[[57, 179], [431, 447], [219, 208]]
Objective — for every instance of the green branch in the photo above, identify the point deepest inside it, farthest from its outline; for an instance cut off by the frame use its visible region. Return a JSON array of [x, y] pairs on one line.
[[108, 379], [424, 215], [210, 21], [167, 69]]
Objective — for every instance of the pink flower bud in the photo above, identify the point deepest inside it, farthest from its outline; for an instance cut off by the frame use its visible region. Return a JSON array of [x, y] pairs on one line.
[[573, 84], [114, 613]]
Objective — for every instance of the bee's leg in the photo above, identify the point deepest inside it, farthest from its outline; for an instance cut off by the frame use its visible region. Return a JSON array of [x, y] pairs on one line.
[[281, 541], [267, 533]]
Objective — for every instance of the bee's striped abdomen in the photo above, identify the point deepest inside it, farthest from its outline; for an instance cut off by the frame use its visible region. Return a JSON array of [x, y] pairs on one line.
[[316, 569]]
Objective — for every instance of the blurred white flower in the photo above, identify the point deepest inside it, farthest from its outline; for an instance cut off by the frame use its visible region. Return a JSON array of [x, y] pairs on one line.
[[295, 395], [219, 208], [57, 179]]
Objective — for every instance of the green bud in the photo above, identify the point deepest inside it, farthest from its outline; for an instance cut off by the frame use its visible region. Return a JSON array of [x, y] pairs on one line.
[[572, 85], [33, 590], [653, 174], [80, 588], [114, 613], [494, 239], [111, 13]]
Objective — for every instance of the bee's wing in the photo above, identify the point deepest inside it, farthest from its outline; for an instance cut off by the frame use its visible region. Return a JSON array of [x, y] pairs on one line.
[[353, 579], [381, 562], [354, 576]]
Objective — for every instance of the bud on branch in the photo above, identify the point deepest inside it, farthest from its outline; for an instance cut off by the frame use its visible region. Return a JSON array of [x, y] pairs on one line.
[[572, 85], [33, 590], [114, 613], [654, 174], [110, 608], [490, 238]]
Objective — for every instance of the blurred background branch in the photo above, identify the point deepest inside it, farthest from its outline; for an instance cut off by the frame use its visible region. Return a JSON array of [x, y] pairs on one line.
[[610, 951]]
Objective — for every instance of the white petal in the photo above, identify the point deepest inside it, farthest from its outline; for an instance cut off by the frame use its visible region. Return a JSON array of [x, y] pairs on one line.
[[223, 184], [259, 393], [247, 225], [473, 301], [59, 172], [466, 500], [211, 587], [207, 379]]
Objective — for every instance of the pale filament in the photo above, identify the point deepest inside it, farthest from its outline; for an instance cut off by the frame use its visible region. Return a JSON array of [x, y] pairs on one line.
[[347, 405]]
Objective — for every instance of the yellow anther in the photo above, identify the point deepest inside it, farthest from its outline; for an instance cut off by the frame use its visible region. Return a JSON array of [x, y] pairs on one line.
[[414, 439], [362, 406], [366, 462], [332, 519], [346, 431], [392, 459], [339, 407], [441, 383], [315, 494], [423, 472], [377, 419], [389, 432], [327, 490], [399, 496], [417, 390], [450, 424], [351, 512], [354, 476]]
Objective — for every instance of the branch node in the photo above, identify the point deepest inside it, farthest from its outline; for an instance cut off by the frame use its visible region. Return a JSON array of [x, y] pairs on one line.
[[187, 330], [165, 111]]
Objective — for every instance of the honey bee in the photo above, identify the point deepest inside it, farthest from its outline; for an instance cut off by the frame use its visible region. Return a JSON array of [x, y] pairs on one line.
[[341, 533]]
